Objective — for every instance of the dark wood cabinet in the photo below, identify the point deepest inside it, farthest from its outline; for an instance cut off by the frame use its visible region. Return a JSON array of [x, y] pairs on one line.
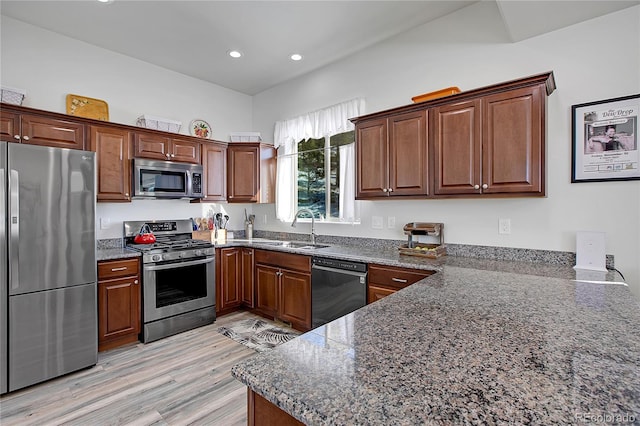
[[43, 130], [248, 287], [283, 287], [112, 146], [119, 310], [386, 280], [234, 281], [161, 146], [214, 164], [490, 145], [392, 156], [251, 173], [488, 141], [229, 294]]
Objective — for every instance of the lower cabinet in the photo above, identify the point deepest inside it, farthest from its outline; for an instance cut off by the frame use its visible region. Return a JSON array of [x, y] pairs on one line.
[[283, 287], [386, 280], [234, 281], [119, 311]]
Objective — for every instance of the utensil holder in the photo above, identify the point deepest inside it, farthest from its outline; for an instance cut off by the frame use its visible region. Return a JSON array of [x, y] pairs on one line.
[[248, 230], [221, 236]]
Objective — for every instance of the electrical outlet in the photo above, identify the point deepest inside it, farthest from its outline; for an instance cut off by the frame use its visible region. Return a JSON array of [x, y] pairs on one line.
[[391, 222], [376, 222], [504, 226], [105, 222]]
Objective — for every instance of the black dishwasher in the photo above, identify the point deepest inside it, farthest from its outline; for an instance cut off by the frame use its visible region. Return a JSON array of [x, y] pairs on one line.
[[338, 287]]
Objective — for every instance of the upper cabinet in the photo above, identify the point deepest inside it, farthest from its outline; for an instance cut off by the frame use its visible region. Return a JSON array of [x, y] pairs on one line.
[[251, 173], [113, 159], [161, 146], [214, 164], [45, 130], [485, 142], [392, 156], [490, 145]]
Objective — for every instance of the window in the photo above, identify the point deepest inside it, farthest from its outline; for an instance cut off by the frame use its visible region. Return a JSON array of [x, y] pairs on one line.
[[318, 175]]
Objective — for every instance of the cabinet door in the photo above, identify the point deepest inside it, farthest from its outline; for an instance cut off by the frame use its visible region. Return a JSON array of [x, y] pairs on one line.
[[372, 159], [185, 151], [247, 278], [513, 148], [295, 299], [408, 158], [375, 293], [9, 126], [148, 145], [214, 164], [118, 308], [231, 274], [266, 289], [38, 130], [456, 147], [244, 163], [113, 155]]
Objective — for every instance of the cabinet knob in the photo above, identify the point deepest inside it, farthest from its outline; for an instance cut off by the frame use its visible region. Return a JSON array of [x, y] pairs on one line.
[[390, 189], [485, 186], [476, 186], [173, 155], [16, 137], [126, 194], [167, 155], [135, 281], [26, 138], [384, 189]]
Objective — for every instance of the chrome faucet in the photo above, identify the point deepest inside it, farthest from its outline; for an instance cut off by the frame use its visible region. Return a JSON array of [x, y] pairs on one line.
[[313, 222]]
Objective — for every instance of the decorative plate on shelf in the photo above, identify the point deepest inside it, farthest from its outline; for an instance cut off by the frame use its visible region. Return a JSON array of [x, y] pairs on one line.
[[200, 129]]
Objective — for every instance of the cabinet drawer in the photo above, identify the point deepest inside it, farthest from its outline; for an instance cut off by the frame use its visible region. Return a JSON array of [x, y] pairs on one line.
[[285, 260], [118, 268], [390, 276]]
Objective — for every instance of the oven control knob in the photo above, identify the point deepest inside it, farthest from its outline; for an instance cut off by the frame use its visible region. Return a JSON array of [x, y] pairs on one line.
[[182, 254], [198, 252], [156, 257]]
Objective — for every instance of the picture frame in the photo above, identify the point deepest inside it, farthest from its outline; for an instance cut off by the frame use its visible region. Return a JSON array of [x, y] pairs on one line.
[[605, 140]]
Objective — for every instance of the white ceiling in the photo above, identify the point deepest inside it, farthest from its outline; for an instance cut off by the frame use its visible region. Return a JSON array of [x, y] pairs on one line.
[[193, 37]]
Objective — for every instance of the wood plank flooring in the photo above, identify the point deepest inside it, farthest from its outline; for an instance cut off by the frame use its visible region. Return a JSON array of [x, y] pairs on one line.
[[179, 380]]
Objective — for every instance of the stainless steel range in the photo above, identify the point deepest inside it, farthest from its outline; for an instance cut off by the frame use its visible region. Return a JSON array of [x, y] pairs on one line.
[[178, 280]]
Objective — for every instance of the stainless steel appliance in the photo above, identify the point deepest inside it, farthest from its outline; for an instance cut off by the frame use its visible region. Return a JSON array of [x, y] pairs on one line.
[[49, 323], [178, 281], [338, 287], [166, 179]]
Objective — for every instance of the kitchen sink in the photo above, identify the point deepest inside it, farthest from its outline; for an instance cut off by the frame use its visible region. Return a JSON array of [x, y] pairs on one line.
[[295, 244]]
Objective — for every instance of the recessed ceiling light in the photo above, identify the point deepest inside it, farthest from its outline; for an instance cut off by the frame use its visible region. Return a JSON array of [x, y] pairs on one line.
[[105, 1], [235, 53], [296, 57]]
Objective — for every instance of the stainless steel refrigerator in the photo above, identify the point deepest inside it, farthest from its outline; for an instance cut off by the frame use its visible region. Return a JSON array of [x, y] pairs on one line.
[[48, 298]]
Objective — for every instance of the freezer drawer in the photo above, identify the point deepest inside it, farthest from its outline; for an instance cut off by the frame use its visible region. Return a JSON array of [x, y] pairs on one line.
[[51, 333]]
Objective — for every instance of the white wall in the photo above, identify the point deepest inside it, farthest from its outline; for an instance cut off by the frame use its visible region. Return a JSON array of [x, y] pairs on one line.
[[49, 66], [470, 49]]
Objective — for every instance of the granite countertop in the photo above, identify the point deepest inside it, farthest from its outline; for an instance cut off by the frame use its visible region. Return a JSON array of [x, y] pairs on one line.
[[480, 342], [115, 253]]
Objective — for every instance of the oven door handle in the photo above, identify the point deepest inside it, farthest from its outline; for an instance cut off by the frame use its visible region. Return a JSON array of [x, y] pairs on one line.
[[179, 265]]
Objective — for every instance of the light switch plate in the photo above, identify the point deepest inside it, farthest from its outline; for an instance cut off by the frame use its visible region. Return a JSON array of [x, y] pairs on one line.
[[376, 222], [590, 250]]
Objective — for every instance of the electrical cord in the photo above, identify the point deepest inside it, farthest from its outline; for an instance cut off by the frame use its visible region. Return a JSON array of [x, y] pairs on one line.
[[614, 269]]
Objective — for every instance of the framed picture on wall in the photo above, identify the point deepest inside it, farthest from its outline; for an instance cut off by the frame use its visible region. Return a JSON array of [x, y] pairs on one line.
[[605, 140]]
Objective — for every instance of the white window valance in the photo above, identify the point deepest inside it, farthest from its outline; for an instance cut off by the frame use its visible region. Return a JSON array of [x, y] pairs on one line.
[[318, 124]]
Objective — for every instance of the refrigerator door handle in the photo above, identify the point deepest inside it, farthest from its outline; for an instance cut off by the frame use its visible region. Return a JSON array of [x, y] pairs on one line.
[[14, 232]]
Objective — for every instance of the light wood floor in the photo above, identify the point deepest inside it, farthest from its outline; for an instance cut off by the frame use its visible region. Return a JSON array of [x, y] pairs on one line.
[[179, 380]]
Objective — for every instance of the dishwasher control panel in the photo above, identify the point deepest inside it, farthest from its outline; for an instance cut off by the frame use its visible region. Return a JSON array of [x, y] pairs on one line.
[[339, 264]]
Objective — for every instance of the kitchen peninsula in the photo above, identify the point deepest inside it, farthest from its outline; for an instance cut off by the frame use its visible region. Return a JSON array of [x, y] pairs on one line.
[[479, 342]]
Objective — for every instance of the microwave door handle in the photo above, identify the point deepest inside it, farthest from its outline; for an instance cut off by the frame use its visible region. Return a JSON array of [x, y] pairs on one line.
[[179, 265], [14, 232]]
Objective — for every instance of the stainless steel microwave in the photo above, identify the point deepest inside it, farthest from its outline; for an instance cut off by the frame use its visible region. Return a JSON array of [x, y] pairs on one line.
[[166, 179]]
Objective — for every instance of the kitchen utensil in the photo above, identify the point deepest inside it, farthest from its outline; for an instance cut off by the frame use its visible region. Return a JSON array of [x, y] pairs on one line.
[[246, 219], [226, 220], [145, 236], [252, 218], [218, 220]]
